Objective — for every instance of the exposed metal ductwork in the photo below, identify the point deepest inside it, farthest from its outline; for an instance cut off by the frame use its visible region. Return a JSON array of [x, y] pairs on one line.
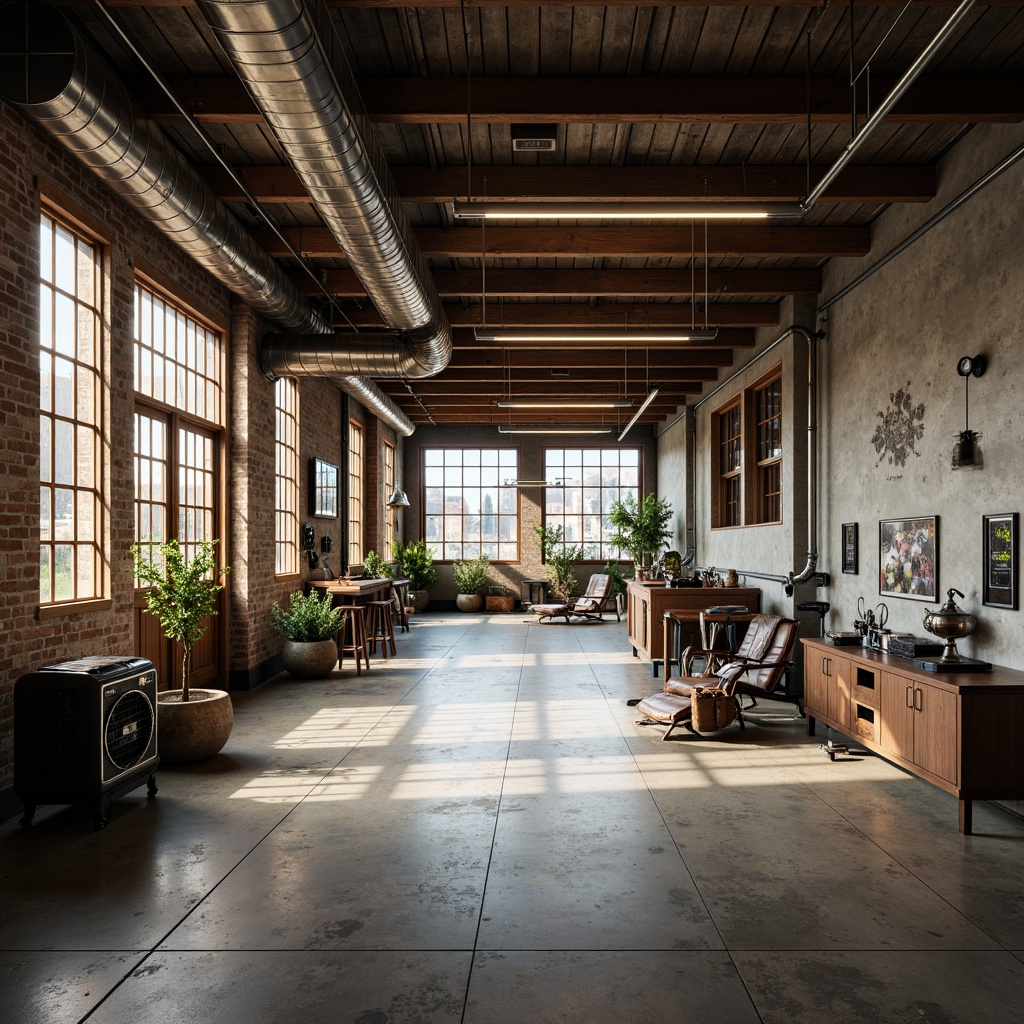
[[63, 85], [291, 62]]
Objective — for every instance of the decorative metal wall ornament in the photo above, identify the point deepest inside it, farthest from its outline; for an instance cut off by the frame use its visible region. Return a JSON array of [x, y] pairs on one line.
[[901, 428]]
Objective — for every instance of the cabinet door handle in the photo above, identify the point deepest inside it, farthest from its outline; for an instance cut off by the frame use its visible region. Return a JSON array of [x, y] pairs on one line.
[[910, 698], [918, 700]]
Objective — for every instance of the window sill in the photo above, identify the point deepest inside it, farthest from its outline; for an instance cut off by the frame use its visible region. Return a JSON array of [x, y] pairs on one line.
[[55, 611]]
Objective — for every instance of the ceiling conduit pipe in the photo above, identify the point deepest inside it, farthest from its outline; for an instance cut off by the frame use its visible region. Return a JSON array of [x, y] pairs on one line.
[[808, 571], [70, 92], [290, 60]]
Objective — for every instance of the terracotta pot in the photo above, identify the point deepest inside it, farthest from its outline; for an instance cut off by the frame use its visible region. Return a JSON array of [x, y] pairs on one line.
[[469, 602], [194, 731], [310, 660], [420, 600]]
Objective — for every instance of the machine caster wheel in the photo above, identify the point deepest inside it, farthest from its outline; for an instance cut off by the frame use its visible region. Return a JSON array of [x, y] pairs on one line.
[[25, 821], [99, 824], [151, 789]]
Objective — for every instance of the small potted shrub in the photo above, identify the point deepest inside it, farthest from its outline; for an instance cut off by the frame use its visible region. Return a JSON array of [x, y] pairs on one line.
[[470, 575], [309, 625], [418, 568], [192, 725], [375, 568], [643, 528]]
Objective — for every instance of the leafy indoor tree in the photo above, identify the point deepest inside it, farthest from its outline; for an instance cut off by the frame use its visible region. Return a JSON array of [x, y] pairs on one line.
[[561, 559], [182, 593], [642, 526]]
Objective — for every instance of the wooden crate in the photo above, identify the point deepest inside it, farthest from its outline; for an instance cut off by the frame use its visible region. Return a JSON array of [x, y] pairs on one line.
[[499, 604]]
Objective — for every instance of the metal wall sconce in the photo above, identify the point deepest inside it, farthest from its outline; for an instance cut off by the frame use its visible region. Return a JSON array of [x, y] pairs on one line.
[[967, 452]]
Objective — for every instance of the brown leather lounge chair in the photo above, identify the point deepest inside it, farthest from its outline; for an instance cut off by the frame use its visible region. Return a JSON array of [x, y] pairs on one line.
[[590, 605], [756, 669]]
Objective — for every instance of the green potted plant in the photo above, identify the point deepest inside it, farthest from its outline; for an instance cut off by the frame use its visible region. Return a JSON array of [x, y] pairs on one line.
[[192, 724], [418, 568], [561, 559], [642, 528], [375, 568], [469, 576], [309, 625]]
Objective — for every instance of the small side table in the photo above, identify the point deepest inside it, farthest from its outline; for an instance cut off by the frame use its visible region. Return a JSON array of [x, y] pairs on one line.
[[533, 592]]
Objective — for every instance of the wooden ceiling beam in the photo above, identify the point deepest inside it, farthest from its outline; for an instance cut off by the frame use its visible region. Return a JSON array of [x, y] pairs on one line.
[[620, 314], [558, 282], [621, 100], [724, 238], [859, 184]]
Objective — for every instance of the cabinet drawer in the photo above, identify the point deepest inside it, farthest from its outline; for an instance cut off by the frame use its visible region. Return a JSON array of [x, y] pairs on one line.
[[866, 688], [864, 721]]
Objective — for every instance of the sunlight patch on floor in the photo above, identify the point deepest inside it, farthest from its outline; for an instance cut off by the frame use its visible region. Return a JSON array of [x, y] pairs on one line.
[[345, 727]]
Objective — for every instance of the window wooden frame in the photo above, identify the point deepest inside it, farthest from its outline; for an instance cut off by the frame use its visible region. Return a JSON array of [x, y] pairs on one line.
[[286, 477], [467, 474], [566, 506], [389, 514], [73, 413], [747, 455], [356, 448]]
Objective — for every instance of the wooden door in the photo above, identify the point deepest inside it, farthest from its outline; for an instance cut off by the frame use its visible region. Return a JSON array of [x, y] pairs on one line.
[[935, 731], [896, 732], [176, 495], [815, 683], [840, 687]]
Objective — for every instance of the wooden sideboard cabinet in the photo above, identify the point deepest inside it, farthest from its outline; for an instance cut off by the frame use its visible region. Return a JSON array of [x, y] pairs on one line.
[[959, 731], [647, 603]]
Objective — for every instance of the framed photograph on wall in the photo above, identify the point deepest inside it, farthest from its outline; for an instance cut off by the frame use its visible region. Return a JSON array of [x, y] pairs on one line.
[[999, 556], [908, 558], [850, 548], [323, 489]]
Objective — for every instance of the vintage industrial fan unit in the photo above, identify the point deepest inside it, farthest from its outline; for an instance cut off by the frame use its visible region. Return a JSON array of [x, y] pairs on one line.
[[85, 732]]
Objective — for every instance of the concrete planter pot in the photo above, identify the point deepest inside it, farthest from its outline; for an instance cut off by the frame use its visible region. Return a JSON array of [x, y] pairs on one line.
[[195, 731], [310, 660], [420, 600], [469, 602]]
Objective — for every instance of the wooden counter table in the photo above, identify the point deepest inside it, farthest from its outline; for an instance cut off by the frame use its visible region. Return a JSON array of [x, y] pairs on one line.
[[647, 602], [959, 730]]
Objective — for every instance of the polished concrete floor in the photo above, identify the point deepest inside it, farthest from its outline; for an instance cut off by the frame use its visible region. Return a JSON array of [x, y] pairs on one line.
[[478, 832]]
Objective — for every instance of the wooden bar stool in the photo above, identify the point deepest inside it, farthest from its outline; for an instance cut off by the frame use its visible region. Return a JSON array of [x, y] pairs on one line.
[[353, 638], [380, 627]]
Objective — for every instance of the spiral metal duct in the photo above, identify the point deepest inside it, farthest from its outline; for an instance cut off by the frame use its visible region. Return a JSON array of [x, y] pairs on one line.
[[63, 85], [291, 62]]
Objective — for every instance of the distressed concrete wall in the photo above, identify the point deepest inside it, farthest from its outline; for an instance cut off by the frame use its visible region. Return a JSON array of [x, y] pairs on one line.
[[530, 448], [957, 291]]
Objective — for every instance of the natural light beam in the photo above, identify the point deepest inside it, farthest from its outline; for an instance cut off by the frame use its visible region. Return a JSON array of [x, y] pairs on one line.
[[345, 727]]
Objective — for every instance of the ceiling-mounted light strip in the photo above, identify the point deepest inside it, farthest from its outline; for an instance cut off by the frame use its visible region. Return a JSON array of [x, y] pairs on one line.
[[529, 335], [526, 404], [555, 430], [623, 211], [651, 395]]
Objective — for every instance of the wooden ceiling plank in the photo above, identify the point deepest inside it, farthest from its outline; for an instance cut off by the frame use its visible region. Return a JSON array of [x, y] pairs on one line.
[[503, 4]]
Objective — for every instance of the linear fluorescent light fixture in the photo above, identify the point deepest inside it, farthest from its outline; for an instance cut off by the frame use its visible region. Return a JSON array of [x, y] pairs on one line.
[[617, 404], [507, 335], [555, 430], [533, 210], [651, 395]]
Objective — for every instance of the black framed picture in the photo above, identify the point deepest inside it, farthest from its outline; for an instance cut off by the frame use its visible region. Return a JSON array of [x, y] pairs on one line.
[[908, 557], [999, 556], [323, 489], [850, 553]]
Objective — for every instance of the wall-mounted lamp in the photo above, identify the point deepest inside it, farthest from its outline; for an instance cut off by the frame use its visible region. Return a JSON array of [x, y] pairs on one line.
[[967, 452]]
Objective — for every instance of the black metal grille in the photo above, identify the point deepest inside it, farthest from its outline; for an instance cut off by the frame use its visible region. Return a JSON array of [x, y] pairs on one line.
[[56, 736], [129, 729]]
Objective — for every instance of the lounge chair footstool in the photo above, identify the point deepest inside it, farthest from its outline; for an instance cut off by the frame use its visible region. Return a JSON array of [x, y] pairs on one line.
[[550, 611]]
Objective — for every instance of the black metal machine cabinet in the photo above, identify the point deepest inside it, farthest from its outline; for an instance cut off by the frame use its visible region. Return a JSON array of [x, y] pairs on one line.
[[85, 732]]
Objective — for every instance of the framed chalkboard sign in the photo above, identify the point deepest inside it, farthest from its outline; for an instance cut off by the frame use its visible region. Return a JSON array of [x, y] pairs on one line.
[[999, 551]]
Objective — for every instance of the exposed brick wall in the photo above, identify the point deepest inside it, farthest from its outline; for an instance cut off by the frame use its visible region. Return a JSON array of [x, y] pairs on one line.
[[26, 158]]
